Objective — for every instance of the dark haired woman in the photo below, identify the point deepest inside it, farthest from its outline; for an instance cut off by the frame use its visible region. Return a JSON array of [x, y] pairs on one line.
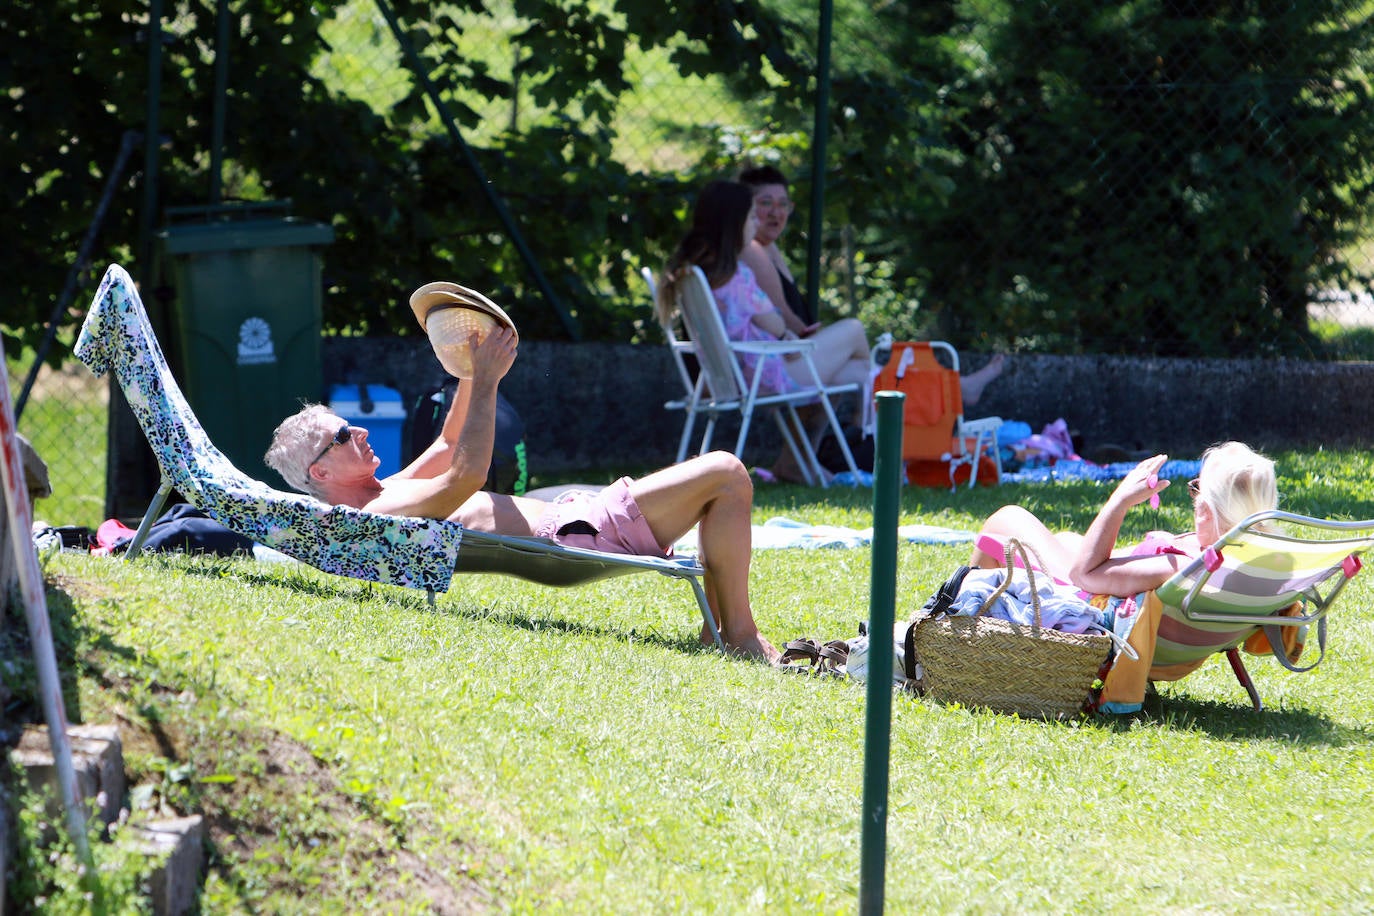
[[723, 223]]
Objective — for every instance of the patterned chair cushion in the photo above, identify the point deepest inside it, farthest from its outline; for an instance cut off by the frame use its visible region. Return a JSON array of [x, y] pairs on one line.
[[412, 552]]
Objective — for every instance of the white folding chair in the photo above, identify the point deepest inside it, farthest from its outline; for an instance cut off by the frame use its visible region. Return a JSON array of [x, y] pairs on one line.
[[721, 388], [681, 348]]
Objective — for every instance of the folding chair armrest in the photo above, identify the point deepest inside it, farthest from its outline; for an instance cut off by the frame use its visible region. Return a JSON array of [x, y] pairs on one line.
[[773, 347], [982, 425]]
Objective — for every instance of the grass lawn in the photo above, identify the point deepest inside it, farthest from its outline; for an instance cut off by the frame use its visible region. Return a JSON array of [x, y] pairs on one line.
[[518, 747]]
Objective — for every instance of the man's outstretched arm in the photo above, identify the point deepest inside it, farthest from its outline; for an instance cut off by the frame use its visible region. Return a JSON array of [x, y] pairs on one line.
[[456, 465]]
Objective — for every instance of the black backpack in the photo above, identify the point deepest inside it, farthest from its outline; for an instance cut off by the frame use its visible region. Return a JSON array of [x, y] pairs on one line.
[[509, 472]]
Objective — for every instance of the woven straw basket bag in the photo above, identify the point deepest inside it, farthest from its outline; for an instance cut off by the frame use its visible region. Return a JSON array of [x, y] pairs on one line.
[[1004, 666]]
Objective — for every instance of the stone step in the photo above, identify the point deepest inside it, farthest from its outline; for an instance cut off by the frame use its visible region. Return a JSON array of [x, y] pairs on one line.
[[98, 759], [174, 884]]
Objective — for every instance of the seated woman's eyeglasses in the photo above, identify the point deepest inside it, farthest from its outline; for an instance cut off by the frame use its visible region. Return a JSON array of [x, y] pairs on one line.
[[1195, 487], [343, 435], [768, 203]]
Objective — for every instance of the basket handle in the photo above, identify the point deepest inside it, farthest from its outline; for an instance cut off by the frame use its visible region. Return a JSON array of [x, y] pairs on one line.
[[1015, 547]]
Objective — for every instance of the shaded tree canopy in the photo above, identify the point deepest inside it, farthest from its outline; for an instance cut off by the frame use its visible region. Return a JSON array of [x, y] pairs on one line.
[[1169, 177]]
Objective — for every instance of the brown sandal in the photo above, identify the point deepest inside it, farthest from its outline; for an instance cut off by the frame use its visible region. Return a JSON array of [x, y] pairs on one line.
[[804, 648]]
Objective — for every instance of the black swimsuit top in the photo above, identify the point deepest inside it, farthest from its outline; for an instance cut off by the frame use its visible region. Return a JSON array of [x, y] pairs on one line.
[[795, 300]]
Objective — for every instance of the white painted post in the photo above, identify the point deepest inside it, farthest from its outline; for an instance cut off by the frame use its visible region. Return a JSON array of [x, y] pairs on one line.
[[19, 516]]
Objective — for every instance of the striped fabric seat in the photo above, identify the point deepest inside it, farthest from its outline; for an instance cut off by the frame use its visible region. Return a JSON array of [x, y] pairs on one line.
[[1252, 580]]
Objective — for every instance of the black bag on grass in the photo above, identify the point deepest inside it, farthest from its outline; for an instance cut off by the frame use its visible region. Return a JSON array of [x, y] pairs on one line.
[[860, 446]]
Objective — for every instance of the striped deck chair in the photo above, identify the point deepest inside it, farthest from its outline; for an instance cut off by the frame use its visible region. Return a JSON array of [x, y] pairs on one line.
[[411, 552], [1252, 581]]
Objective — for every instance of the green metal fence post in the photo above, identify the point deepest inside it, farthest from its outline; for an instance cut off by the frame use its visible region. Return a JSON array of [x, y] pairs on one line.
[[151, 141], [820, 132], [882, 604]]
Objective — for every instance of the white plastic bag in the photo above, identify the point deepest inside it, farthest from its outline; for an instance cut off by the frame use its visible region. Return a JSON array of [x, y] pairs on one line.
[[857, 664]]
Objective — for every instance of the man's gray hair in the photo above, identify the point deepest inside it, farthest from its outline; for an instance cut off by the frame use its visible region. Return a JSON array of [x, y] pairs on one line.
[[296, 443]]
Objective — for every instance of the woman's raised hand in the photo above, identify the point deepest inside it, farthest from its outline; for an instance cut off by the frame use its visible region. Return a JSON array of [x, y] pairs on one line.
[[1143, 482]]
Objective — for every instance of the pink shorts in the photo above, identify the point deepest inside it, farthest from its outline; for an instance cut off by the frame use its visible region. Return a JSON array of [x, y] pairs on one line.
[[608, 520]]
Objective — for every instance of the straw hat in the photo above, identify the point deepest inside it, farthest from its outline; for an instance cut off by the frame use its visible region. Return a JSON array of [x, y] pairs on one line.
[[450, 314]]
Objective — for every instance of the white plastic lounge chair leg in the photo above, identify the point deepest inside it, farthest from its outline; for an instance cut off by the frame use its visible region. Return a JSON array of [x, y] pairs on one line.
[[839, 435], [688, 426], [707, 435], [805, 458], [977, 456]]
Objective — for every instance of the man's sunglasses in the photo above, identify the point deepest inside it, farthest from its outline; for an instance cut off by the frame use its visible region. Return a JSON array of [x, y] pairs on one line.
[[341, 437]]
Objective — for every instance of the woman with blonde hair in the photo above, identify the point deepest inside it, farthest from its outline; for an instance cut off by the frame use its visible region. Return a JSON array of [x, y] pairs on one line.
[[1234, 483]]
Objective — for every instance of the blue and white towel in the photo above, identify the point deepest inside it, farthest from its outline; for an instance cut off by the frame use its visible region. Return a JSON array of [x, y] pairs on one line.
[[781, 533], [1086, 470]]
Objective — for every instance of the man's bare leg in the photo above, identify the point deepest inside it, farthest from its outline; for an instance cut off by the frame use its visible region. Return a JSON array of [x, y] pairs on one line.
[[713, 491]]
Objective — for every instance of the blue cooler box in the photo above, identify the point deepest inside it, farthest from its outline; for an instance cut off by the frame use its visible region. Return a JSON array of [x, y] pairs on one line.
[[383, 421]]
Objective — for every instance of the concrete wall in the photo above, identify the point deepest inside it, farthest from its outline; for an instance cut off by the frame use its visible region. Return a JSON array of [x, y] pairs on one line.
[[588, 405]]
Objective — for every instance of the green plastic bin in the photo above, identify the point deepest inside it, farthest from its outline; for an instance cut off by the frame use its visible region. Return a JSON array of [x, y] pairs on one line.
[[243, 289]]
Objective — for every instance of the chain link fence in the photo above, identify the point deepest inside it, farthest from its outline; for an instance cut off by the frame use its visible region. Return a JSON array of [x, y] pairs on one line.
[[1173, 178], [1051, 176]]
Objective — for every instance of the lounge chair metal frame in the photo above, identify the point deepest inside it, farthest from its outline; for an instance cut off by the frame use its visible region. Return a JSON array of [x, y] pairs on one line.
[[410, 552], [1249, 576]]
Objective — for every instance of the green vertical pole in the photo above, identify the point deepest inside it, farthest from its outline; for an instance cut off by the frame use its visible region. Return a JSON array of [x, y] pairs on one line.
[[882, 608], [221, 103], [818, 141], [151, 141]]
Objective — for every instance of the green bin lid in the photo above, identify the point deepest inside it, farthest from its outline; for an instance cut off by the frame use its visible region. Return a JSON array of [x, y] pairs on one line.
[[231, 235]]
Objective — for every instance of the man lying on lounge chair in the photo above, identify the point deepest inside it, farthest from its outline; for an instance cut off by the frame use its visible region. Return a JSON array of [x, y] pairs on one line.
[[319, 453]]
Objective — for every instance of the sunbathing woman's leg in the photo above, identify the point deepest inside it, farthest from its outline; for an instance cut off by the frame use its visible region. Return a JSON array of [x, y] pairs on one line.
[[1057, 549], [841, 358], [713, 491]]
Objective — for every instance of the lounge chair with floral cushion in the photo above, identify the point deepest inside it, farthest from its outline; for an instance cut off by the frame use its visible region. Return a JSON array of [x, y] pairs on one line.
[[411, 552]]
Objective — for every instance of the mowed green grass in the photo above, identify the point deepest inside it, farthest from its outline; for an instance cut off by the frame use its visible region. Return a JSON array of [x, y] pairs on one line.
[[579, 749]]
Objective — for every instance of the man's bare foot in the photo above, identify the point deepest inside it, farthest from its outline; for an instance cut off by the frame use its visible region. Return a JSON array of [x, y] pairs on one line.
[[755, 647], [752, 646], [972, 385]]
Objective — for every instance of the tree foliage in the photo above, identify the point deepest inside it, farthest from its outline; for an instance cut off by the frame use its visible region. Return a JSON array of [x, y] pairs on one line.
[[1175, 176]]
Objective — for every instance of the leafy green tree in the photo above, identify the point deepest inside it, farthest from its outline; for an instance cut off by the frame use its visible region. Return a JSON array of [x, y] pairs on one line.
[[1160, 175], [1172, 177], [403, 198]]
